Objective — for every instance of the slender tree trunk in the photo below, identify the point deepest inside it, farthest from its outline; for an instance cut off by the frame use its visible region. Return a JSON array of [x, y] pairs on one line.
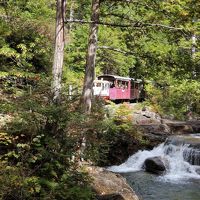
[[194, 73], [193, 45], [71, 14], [59, 50], [91, 56]]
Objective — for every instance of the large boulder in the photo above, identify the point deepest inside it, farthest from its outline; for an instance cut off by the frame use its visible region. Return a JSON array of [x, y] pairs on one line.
[[158, 133], [198, 171], [111, 197], [154, 133], [110, 186], [121, 148], [145, 116], [155, 165]]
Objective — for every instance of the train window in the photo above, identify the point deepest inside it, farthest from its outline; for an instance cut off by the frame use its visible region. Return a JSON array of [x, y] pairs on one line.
[[119, 84], [122, 84], [125, 85], [136, 85], [132, 84], [98, 84], [103, 86], [112, 84]]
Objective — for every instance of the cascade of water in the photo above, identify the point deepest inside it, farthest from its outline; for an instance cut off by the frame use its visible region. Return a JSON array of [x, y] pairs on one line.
[[183, 160], [192, 156]]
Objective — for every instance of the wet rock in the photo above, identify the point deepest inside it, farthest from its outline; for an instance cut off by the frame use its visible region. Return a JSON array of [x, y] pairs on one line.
[[121, 148], [155, 165], [155, 134], [182, 127], [193, 140], [198, 171], [110, 186], [110, 197], [158, 133]]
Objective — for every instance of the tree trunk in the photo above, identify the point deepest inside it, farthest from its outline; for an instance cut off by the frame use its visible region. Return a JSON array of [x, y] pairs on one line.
[[59, 50], [71, 15], [91, 56]]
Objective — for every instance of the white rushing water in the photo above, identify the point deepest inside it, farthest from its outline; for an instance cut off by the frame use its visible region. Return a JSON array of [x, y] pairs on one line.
[[177, 156]]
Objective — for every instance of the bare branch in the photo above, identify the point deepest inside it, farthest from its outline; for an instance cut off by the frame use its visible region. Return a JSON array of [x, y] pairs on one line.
[[134, 25], [96, 22], [115, 49], [6, 18], [163, 26]]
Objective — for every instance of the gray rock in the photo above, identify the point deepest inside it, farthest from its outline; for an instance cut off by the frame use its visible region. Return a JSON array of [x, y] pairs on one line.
[[110, 197], [110, 186], [155, 165], [146, 117], [198, 171]]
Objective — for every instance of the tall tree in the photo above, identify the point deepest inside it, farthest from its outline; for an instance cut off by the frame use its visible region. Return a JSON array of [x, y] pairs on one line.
[[91, 56], [59, 49]]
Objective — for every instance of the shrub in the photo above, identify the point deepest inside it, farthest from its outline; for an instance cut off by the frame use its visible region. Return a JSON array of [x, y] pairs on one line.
[[38, 146], [177, 98]]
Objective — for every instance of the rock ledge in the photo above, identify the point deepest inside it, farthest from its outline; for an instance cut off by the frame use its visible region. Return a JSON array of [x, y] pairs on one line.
[[110, 186]]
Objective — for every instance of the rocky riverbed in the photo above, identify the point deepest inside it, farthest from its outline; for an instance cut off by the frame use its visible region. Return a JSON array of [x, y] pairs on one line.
[[173, 169], [153, 128]]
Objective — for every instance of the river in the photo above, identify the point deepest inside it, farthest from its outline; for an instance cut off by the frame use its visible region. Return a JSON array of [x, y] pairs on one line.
[[151, 187], [181, 181]]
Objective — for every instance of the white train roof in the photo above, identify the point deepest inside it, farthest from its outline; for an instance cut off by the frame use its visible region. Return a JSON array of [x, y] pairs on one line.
[[100, 81], [120, 78]]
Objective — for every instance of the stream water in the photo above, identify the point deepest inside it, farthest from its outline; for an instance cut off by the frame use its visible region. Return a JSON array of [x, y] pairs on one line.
[[182, 178], [151, 187]]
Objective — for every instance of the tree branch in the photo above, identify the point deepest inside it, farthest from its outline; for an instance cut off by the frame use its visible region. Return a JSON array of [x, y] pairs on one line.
[[115, 49], [5, 17], [134, 25], [96, 22]]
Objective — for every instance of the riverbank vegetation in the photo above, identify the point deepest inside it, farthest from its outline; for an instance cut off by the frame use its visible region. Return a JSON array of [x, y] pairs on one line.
[[42, 142]]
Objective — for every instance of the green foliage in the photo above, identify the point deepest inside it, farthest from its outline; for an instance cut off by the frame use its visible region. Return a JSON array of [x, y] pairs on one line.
[[123, 113], [37, 149], [116, 59], [41, 139], [123, 119], [103, 134], [176, 98], [26, 37]]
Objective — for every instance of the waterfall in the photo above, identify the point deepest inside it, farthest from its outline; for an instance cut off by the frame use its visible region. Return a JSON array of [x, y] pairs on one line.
[[182, 154]]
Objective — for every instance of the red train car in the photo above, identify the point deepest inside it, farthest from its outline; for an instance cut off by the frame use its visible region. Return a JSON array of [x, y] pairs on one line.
[[118, 88]]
